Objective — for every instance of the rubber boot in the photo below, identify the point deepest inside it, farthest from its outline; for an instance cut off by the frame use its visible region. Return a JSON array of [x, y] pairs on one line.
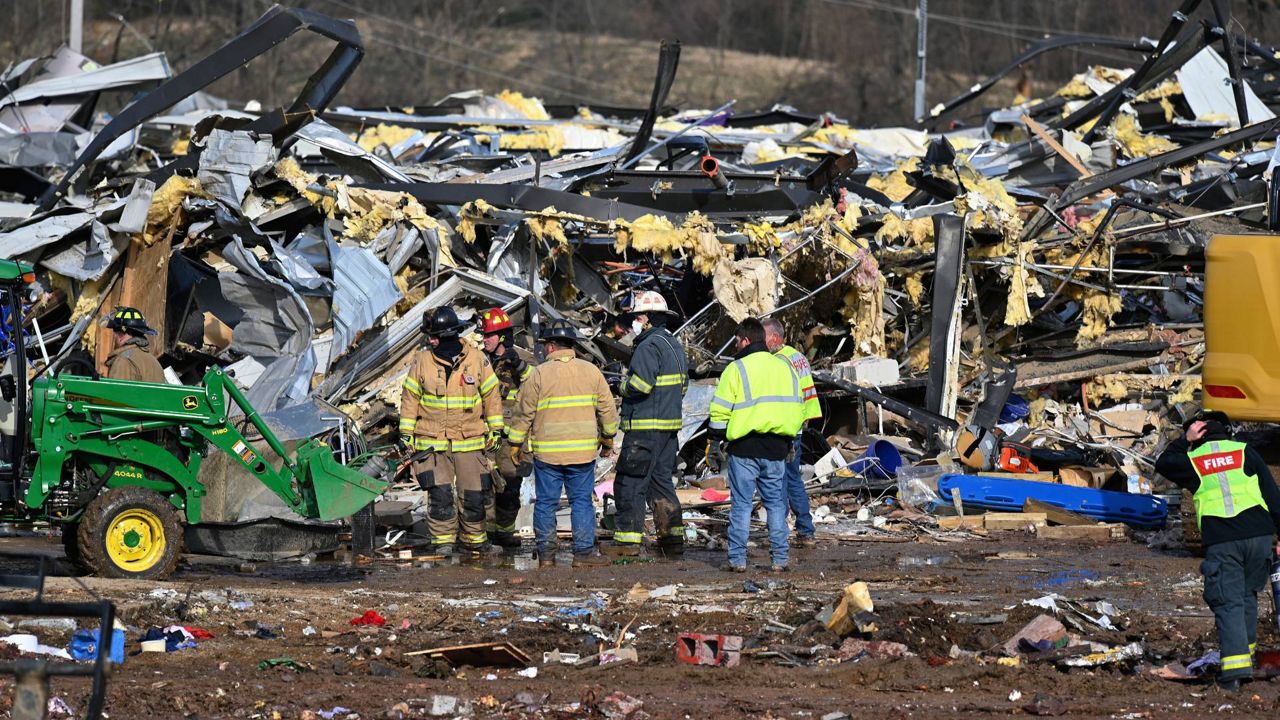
[[622, 550], [445, 549], [672, 549], [504, 539]]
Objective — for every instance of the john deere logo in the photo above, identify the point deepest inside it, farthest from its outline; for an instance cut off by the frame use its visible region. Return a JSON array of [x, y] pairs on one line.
[[190, 402]]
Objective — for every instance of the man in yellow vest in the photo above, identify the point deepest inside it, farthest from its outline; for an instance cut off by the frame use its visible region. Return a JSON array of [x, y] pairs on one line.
[[450, 416], [797, 498], [756, 413], [1238, 509]]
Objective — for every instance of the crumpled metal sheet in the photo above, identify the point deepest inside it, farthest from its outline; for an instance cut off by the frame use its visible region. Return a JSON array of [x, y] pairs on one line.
[[88, 259], [276, 325], [363, 291], [229, 158]]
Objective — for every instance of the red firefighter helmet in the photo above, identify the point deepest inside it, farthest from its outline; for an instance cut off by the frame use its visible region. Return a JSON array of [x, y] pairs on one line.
[[494, 320]]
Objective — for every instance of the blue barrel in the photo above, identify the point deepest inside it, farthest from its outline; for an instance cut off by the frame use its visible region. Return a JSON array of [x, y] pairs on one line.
[[881, 460]]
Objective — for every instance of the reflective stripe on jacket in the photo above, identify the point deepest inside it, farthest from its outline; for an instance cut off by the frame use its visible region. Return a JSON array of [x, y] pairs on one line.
[[657, 379], [562, 410], [1226, 490], [450, 406], [800, 363], [759, 393]]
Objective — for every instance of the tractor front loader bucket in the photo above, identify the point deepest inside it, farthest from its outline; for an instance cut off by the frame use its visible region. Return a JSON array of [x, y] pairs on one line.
[[335, 490]]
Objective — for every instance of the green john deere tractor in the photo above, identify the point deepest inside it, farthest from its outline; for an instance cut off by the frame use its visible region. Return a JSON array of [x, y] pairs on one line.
[[115, 463]]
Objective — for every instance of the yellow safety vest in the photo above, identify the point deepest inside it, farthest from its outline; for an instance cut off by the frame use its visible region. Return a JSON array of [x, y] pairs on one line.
[[759, 393], [1226, 490]]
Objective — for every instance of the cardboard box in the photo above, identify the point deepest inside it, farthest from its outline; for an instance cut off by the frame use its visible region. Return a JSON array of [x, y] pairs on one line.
[[1087, 477]]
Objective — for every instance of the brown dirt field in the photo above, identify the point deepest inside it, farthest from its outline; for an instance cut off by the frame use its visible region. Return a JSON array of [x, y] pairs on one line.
[[366, 670]]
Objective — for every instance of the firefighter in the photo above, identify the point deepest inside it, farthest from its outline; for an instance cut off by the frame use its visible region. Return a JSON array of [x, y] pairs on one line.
[[1238, 509], [797, 498], [756, 413], [565, 413], [131, 358], [450, 416], [652, 400], [511, 369]]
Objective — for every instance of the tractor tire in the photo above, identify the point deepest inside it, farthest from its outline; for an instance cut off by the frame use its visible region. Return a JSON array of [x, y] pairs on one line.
[[130, 532]]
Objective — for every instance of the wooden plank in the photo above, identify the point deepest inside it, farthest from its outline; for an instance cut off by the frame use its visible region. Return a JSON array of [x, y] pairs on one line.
[[1102, 532], [1044, 476], [1013, 521], [1055, 514], [956, 522], [1057, 147], [502, 654], [1085, 374], [143, 285], [146, 285]]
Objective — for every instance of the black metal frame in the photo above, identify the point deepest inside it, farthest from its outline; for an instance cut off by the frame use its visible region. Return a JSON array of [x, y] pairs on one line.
[[31, 690]]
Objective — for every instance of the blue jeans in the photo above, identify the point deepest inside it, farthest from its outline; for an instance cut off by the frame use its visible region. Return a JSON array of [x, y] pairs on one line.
[[578, 482], [746, 476], [797, 497]]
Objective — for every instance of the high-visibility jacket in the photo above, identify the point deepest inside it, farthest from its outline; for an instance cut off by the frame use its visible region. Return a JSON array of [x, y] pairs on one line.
[[1226, 490], [657, 379], [759, 393], [800, 363], [562, 410], [450, 406]]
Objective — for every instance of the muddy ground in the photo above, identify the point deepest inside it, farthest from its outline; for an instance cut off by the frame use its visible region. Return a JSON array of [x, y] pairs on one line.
[[929, 607]]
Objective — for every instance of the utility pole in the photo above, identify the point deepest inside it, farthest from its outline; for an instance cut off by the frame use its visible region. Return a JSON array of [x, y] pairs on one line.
[[76, 35], [922, 50]]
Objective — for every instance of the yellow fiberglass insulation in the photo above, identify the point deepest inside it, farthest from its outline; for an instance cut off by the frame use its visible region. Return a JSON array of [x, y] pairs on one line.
[[1107, 387], [549, 138], [916, 232], [1186, 391], [475, 210], [1096, 318], [528, 107], [864, 305], [914, 284], [990, 204], [1022, 284], [895, 184], [1136, 144], [364, 213], [384, 134], [166, 203], [651, 233], [547, 228]]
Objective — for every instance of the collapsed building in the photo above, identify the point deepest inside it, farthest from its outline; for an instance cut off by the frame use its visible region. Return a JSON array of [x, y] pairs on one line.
[[1034, 268]]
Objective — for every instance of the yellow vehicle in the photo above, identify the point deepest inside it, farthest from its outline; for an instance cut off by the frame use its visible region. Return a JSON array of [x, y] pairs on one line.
[[1242, 326]]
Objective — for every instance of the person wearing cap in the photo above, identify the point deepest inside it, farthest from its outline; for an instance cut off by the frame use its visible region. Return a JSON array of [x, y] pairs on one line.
[[565, 414], [131, 359], [652, 413], [797, 497], [1238, 510], [450, 417], [508, 477], [755, 415]]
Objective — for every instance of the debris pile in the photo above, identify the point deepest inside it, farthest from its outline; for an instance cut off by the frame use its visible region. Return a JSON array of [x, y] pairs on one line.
[[1019, 288]]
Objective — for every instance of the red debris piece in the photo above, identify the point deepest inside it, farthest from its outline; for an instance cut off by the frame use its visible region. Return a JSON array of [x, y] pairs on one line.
[[370, 618]]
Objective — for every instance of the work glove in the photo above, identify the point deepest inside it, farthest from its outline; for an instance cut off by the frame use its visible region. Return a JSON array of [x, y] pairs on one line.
[[516, 452], [606, 447], [492, 440], [717, 455], [405, 442]]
